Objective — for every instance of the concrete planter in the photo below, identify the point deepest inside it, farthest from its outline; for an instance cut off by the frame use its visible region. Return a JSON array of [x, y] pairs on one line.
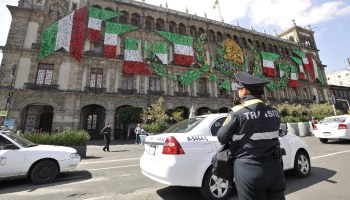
[[81, 150], [293, 128], [301, 129]]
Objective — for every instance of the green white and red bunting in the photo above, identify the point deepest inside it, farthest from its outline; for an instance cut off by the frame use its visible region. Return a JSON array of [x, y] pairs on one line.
[[161, 50], [316, 71], [67, 33], [305, 60], [111, 37], [300, 65], [133, 63], [283, 68], [268, 63], [96, 16], [183, 47], [293, 82]]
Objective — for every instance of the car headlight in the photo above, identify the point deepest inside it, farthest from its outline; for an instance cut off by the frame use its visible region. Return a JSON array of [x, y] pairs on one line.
[[73, 155]]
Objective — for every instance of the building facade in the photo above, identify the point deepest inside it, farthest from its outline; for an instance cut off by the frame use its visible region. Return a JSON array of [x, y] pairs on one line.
[[339, 77], [71, 64]]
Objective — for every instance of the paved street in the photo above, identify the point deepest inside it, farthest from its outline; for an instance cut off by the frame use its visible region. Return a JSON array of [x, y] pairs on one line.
[[116, 175]]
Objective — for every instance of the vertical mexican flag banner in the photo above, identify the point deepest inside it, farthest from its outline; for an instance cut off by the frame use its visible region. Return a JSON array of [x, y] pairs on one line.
[[293, 82], [96, 16], [111, 37], [300, 65], [268, 65], [183, 47], [67, 33], [316, 71], [161, 51], [305, 60], [133, 63]]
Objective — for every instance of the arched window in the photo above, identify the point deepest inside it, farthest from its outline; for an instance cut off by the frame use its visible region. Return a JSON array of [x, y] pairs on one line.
[[291, 38], [135, 19], [212, 36], [172, 27], [263, 46], [275, 49], [245, 44], [250, 42], [160, 24], [182, 29], [228, 36], [200, 31], [219, 36], [235, 38], [270, 48], [149, 23], [287, 52], [97, 6], [258, 47], [124, 18], [193, 31]]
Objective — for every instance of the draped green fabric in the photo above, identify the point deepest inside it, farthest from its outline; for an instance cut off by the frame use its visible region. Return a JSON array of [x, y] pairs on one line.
[[269, 56], [103, 14], [117, 28], [48, 41], [176, 38]]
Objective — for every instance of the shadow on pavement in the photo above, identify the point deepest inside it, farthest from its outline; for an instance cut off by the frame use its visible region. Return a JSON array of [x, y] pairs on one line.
[[17, 185], [294, 184]]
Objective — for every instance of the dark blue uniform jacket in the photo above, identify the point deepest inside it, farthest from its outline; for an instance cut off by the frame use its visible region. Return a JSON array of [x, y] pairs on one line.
[[241, 119]]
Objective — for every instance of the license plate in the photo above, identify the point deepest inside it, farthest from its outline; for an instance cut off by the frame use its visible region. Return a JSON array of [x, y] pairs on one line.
[[327, 134], [151, 150]]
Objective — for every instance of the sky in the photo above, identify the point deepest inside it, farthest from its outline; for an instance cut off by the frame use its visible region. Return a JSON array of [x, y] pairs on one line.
[[328, 19]]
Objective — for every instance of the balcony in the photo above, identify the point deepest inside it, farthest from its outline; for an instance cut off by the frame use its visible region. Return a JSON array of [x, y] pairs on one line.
[[203, 94], [33, 86], [94, 89], [181, 94], [127, 91], [159, 93]]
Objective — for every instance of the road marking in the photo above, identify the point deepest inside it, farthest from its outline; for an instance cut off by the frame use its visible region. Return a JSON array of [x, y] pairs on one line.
[[104, 161], [332, 154], [125, 166]]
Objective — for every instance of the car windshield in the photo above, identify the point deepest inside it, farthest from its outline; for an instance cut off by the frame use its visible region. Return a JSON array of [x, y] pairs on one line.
[[185, 125], [20, 140], [333, 120]]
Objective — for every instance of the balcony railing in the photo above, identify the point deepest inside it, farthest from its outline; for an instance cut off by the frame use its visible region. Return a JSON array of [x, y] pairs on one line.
[[33, 86], [94, 89], [127, 91], [151, 92], [203, 94], [181, 94]]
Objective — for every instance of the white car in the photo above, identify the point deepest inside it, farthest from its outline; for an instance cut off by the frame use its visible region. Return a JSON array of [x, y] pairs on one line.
[[40, 163], [181, 156], [333, 128]]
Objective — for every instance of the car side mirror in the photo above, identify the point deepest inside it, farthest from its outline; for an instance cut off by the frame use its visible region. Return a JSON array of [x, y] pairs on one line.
[[282, 132], [10, 147]]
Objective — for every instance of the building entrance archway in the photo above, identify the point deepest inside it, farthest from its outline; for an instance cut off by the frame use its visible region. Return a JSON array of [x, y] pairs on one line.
[[93, 120]]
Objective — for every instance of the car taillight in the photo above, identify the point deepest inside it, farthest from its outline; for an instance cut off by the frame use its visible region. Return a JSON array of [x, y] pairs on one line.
[[172, 146], [342, 126], [315, 127]]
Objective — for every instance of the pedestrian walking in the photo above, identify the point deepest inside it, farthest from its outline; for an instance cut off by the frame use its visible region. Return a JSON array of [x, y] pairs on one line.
[[107, 134], [258, 173], [138, 131]]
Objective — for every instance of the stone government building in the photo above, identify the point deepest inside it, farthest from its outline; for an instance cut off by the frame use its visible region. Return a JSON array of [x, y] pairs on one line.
[[83, 88]]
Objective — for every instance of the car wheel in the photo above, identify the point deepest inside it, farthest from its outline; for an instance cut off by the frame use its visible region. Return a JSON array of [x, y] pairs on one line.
[[302, 167], [323, 140], [215, 188], [44, 172]]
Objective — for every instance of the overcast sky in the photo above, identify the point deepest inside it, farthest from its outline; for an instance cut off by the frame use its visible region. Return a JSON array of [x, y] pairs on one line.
[[329, 19]]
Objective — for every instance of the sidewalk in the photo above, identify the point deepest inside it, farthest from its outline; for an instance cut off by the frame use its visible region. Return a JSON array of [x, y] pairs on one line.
[[101, 142]]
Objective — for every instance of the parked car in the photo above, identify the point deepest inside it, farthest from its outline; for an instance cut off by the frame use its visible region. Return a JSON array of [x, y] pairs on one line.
[[333, 128], [40, 163], [181, 156]]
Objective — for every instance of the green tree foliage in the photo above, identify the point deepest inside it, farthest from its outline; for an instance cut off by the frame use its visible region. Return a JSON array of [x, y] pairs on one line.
[[129, 115]]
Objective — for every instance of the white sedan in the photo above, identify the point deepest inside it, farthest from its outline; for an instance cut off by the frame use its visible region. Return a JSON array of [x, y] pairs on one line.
[[41, 163], [333, 128], [181, 156]]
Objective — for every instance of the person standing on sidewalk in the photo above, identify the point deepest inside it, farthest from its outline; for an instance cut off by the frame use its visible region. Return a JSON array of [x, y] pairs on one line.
[[107, 134], [138, 131]]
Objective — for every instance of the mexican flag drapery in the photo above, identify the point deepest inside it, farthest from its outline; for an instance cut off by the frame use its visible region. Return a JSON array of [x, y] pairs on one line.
[[268, 65], [183, 47], [96, 16], [316, 71], [293, 82], [133, 63], [305, 60], [284, 69], [161, 51], [301, 68], [111, 37], [67, 33]]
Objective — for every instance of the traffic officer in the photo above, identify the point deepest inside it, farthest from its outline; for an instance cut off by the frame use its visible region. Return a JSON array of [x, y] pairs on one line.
[[258, 173]]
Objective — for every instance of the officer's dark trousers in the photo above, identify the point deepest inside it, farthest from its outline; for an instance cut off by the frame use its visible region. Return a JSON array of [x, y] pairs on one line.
[[259, 179]]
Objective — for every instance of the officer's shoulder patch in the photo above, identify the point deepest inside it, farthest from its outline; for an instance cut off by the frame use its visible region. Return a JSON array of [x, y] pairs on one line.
[[228, 119]]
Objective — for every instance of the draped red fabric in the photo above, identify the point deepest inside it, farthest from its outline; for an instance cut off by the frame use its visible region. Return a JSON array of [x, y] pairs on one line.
[[78, 33]]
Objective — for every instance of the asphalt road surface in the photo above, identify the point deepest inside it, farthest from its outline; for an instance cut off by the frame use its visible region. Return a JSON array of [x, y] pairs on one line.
[[116, 175]]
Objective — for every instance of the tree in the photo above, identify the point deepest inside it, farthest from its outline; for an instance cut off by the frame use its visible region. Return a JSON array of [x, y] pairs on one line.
[[128, 116]]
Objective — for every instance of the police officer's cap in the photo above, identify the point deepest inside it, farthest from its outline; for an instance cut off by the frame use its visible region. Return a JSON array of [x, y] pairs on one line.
[[254, 84]]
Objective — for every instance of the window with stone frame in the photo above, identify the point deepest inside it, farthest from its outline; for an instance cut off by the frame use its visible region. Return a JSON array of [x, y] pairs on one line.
[[44, 74], [97, 47], [74, 6], [155, 83], [127, 82], [202, 86], [96, 78]]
